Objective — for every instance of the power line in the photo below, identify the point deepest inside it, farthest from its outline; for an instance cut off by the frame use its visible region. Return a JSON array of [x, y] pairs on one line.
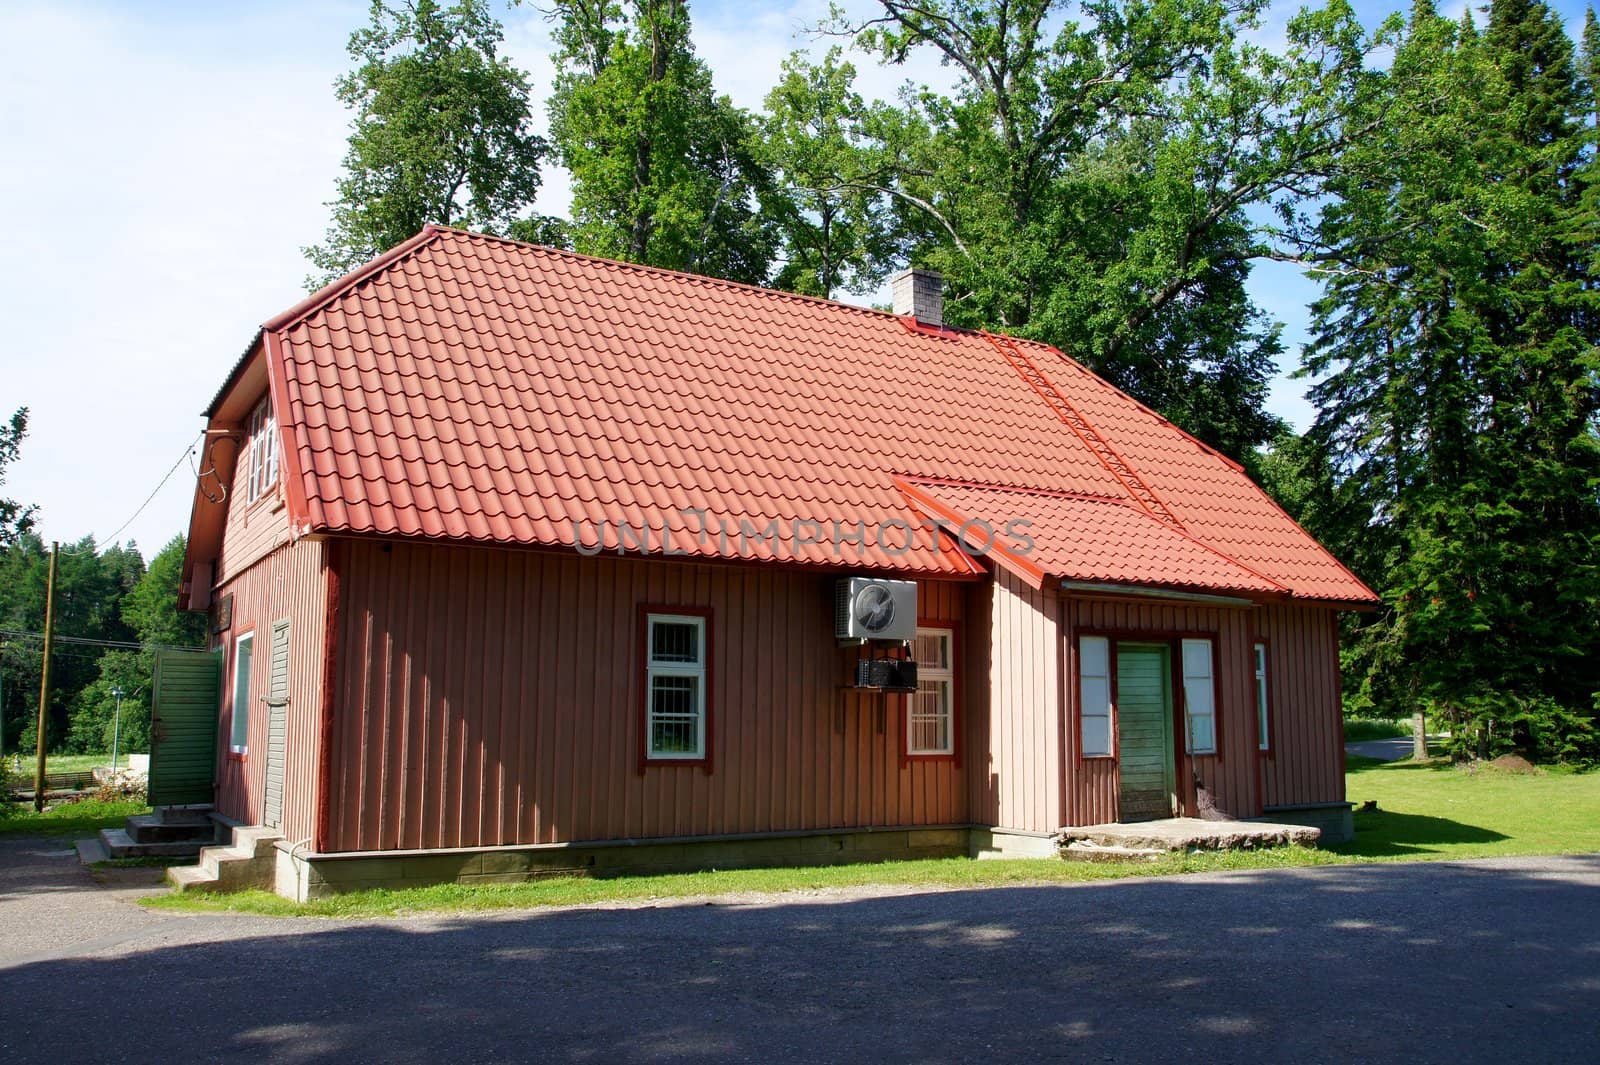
[[88, 642], [187, 451]]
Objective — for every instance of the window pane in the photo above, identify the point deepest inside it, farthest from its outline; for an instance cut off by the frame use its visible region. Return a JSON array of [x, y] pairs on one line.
[[240, 733], [1202, 737], [675, 715], [1197, 658], [932, 650], [1094, 656], [1198, 696], [1096, 696], [1096, 735], [674, 641], [931, 727]]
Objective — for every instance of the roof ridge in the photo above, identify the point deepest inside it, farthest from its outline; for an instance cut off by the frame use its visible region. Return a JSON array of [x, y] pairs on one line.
[[1232, 464], [1134, 483], [337, 287], [1019, 489], [704, 279]]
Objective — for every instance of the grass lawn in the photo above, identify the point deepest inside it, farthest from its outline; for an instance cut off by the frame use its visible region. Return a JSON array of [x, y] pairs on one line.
[[75, 820], [1357, 729], [1430, 810], [64, 763], [1436, 810]]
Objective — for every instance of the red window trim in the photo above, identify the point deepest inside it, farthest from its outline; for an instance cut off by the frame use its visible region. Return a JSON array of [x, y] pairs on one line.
[[1266, 749], [954, 757], [234, 636], [1075, 695], [1173, 639], [643, 702]]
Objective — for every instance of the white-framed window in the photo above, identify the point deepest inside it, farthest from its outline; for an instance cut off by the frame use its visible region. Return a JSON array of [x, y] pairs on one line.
[[1199, 697], [1094, 695], [239, 736], [675, 687], [263, 468], [1263, 739], [931, 710]]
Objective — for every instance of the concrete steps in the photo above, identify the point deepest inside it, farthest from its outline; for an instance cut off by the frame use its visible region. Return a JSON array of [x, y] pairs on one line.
[[119, 844], [1150, 838], [1082, 850], [166, 832], [246, 861]]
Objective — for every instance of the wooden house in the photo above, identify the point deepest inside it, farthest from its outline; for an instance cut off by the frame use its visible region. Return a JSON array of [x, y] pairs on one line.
[[519, 561]]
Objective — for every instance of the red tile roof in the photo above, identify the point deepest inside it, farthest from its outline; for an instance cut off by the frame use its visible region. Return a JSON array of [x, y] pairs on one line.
[[1040, 534], [473, 388]]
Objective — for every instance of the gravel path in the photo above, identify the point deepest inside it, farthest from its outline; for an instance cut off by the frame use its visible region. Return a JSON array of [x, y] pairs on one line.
[[1495, 960]]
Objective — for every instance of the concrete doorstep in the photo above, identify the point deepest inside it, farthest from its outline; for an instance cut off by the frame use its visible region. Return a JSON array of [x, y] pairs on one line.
[[1152, 838]]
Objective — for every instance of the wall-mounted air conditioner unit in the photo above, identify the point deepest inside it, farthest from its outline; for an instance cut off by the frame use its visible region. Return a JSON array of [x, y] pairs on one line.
[[867, 608]]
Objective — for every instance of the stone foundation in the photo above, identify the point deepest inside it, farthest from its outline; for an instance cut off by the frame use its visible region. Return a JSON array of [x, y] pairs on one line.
[[301, 876], [1334, 818]]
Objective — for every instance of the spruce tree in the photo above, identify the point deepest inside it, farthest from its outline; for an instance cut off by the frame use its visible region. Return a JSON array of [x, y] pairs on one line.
[[1459, 398]]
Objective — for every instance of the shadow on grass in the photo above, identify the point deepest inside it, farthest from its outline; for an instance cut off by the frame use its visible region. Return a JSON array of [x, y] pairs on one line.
[[1384, 834]]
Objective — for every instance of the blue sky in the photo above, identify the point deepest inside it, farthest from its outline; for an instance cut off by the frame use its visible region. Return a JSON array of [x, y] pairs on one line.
[[163, 166]]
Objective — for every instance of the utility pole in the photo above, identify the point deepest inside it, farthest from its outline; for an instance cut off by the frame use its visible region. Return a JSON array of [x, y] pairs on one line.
[[116, 727], [44, 675]]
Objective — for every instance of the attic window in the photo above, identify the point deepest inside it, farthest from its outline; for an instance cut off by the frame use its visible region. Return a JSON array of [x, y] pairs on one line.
[[263, 451]]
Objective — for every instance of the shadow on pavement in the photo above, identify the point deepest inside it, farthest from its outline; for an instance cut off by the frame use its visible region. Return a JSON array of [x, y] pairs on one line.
[[1487, 961]]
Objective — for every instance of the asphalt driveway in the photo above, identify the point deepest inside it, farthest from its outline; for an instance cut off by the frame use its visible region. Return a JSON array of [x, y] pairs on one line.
[[1474, 961]]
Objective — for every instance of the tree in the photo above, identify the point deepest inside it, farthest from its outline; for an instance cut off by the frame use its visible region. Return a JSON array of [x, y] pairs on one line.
[[828, 173], [1461, 384], [441, 134], [150, 609], [15, 518], [90, 586], [663, 169], [1103, 182]]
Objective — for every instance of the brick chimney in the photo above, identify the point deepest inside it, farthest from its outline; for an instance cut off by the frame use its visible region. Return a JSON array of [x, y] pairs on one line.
[[919, 293]]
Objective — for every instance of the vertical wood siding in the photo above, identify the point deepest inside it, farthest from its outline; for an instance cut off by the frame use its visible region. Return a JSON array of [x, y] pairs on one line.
[[1304, 765], [1230, 774], [290, 582], [252, 530], [1020, 774], [1307, 741], [495, 697]]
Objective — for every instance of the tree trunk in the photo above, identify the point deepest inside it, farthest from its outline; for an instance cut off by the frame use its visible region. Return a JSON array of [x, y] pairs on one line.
[[1419, 735]]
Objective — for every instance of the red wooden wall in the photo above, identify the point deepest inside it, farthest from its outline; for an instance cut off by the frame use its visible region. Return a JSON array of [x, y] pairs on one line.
[[495, 697], [1303, 764], [291, 582]]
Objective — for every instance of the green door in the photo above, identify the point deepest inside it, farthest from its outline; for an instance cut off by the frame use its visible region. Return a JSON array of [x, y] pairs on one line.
[[184, 707], [1144, 732]]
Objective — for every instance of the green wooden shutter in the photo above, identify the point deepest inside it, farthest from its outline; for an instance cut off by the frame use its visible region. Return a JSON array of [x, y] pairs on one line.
[[185, 705]]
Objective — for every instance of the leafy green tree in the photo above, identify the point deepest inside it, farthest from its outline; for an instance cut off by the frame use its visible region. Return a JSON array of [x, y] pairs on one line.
[[821, 142], [664, 170], [150, 609], [1105, 172], [1461, 384], [442, 133], [15, 518]]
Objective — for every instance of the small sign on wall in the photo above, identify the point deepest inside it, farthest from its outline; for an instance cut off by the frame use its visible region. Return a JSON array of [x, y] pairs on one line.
[[222, 613]]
